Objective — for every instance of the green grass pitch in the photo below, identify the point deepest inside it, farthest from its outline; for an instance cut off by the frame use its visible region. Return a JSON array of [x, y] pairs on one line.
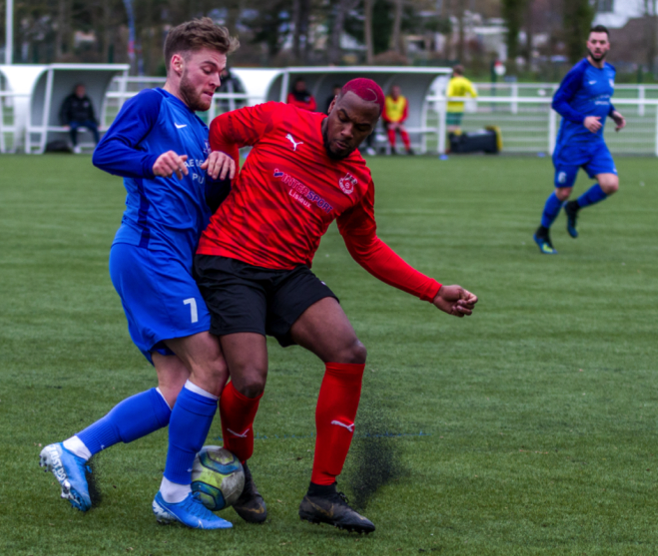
[[538, 413]]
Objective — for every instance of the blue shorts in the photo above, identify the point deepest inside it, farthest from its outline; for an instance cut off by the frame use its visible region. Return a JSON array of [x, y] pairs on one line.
[[159, 296], [594, 158]]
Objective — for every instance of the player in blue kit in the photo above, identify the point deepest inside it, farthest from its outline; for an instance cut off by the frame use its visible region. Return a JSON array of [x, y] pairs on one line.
[[583, 101], [160, 147]]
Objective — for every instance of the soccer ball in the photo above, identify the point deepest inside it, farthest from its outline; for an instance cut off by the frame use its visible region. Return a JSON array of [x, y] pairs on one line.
[[218, 477]]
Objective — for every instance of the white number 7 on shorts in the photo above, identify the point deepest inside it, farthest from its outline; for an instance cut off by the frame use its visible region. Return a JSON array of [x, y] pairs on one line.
[[194, 316]]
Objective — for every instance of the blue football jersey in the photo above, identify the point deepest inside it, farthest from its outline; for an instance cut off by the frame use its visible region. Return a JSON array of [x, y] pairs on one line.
[[585, 91], [162, 214]]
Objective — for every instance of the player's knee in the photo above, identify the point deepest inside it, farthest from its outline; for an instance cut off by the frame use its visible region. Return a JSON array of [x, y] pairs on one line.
[[354, 352], [610, 185], [170, 392], [212, 374], [562, 193], [251, 385]]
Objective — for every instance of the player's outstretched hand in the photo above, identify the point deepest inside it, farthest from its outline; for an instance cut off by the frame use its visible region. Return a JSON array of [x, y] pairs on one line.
[[619, 120], [593, 123], [219, 164], [455, 301], [170, 163]]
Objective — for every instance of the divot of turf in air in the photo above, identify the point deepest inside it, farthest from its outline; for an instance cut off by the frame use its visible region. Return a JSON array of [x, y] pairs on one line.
[[375, 457]]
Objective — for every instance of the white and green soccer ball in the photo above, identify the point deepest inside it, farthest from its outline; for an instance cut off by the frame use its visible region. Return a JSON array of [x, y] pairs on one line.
[[217, 477]]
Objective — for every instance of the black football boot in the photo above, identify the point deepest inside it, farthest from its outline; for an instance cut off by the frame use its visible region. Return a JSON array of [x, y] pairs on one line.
[[250, 506], [571, 208], [323, 504]]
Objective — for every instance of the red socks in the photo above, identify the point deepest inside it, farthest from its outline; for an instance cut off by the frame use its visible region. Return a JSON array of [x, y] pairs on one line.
[[403, 134], [238, 413], [405, 139], [391, 137], [338, 402]]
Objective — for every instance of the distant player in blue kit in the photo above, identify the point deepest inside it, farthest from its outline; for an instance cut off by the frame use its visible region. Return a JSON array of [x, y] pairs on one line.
[[160, 147], [583, 101]]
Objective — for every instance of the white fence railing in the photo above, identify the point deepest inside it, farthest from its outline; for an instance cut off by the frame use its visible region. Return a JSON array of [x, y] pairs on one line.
[[529, 125], [123, 88], [9, 128], [521, 111]]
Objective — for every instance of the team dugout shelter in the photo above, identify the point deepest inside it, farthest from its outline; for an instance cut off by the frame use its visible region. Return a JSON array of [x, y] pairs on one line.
[[275, 84], [40, 91]]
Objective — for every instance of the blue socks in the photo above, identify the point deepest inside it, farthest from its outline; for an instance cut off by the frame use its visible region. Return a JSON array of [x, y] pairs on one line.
[[551, 210], [131, 419], [190, 423], [592, 196]]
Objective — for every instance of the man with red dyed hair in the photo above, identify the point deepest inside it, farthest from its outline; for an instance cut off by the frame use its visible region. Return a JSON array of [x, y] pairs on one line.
[[253, 269]]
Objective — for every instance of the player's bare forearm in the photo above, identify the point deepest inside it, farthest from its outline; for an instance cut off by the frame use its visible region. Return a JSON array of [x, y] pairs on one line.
[[455, 301], [619, 120]]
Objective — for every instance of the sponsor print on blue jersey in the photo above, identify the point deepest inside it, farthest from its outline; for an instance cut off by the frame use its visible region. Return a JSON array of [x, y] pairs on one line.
[[585, 91], [162, 214]]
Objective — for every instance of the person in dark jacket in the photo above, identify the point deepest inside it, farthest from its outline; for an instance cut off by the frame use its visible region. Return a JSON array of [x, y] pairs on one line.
[[76, 112], [300, 97]]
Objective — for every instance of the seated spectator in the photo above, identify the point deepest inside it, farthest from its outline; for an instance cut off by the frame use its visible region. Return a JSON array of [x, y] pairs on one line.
[[300, 97], [396, 110], [230, 84], [336, 91], [458, 86], [76, 112]]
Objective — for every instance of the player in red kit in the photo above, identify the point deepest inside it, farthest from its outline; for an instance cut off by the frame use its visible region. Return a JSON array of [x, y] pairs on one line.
[[253, 269]]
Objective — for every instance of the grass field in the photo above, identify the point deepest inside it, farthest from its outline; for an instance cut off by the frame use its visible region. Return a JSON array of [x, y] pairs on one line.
[[538, 414]]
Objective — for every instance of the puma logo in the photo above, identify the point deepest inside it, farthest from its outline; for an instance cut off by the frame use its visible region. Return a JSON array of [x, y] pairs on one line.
[[294, 143], [240, 435], [348, 427]]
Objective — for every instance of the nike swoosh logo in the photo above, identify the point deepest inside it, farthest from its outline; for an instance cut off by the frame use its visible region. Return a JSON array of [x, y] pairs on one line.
[[180, 126], [592, 82]]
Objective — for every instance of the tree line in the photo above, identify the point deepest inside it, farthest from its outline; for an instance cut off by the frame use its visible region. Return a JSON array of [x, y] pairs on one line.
[[295, 32]]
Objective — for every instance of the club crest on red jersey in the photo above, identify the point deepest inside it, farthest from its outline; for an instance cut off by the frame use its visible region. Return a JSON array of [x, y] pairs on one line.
[[347, 184]]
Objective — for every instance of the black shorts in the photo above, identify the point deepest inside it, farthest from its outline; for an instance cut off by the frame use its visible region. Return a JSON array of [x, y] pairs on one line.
[[246, 298]]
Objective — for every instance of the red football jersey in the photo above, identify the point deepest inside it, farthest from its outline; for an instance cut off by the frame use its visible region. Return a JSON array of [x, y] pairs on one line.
[[289, 192]]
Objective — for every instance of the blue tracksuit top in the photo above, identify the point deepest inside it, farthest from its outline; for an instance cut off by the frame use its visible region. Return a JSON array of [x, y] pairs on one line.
[[584, 91], [162, 214]]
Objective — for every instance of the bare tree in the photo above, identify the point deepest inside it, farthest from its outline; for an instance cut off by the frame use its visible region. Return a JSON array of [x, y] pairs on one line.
[[460, 18], [397, 26], [341, 9], [301, 12], [63, 29], [650, 22], [367, 9]]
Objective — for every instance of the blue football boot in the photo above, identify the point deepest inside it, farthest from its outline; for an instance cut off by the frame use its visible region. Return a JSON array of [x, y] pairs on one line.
[[69, 470], [190, 512], [545, 245], [571, 209]]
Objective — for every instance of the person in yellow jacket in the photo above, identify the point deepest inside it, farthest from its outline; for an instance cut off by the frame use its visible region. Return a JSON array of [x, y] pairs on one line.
[[458, 86], [396, 110]]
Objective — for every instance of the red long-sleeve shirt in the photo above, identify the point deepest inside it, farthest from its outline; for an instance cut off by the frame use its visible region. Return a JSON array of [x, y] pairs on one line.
[[311, 105], [289, 192]]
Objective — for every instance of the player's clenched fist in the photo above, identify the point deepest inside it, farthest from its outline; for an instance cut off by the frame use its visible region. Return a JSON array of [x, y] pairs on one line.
[[170, 163], [219, 164], [455, 301]]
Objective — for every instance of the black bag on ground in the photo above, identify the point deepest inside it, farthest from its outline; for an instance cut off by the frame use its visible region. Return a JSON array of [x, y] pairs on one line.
[[58, 146], [484, 140]]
